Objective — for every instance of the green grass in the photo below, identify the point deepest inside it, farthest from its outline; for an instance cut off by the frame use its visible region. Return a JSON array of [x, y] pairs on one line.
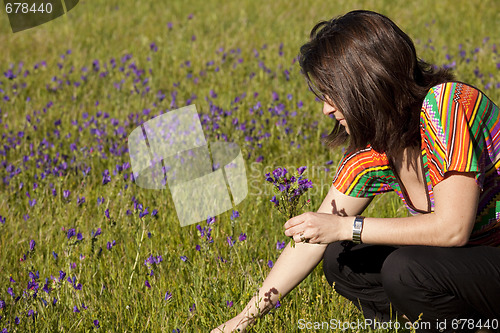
[[113, 281]]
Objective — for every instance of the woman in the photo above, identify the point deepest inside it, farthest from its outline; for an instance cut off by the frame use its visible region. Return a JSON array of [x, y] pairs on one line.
[[436, 143]]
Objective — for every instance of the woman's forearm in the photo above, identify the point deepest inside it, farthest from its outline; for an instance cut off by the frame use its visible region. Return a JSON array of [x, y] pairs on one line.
[[456, 200], [292, 266], [427, 229]]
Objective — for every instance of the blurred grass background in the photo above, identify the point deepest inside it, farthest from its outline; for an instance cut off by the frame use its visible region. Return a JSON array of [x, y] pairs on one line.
[[251, 44]]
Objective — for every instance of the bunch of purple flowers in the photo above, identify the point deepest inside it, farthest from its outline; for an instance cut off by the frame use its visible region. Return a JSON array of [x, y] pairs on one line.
[[289, 189]]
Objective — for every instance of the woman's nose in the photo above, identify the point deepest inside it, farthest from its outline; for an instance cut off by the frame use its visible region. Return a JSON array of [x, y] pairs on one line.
[[327, 109]]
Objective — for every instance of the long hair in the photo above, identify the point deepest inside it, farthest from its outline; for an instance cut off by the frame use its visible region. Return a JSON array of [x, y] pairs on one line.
[[368, 68]]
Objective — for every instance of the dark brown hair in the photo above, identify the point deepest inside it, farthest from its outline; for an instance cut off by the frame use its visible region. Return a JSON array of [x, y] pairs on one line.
[[369, 69]]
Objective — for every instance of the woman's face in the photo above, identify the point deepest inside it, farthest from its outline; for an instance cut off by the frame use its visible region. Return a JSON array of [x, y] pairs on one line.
[[330, 110]]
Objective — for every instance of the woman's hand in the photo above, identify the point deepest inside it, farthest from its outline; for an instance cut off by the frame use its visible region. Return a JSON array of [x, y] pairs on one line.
[[318, 228], [236, 324]]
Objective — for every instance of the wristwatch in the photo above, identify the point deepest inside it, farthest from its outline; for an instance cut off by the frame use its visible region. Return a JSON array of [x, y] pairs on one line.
[[357, 227]]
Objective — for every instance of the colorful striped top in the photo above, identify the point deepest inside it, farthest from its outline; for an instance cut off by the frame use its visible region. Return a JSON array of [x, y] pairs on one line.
[[460, 130]]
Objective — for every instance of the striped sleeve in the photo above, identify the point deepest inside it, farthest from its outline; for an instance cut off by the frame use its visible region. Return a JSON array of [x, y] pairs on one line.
[[451, 129], [364, 173]]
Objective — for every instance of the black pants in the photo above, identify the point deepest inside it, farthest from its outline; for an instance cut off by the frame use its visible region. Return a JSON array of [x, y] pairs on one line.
[[443, 284]]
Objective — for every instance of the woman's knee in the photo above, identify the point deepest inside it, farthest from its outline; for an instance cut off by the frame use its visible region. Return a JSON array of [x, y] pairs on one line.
[[404, 273]]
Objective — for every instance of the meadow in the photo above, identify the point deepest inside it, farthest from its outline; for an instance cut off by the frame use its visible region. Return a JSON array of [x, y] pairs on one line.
[[83, 248]]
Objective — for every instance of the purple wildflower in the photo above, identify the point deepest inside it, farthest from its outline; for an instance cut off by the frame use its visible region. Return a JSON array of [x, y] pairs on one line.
[[235, 215], [184, 258], [79, 200], [146, 283], [242, 237], [280, 245], [71, 233], [270, 264], [32, 245], [168, 295], [106, 177], [229, 304], [97, 233], [144, 213]]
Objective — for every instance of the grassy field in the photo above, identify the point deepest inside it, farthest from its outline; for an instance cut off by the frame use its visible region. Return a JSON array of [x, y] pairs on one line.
[[83, 248]]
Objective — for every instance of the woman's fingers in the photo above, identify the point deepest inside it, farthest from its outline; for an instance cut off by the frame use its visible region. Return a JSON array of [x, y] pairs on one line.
[[297, 225]]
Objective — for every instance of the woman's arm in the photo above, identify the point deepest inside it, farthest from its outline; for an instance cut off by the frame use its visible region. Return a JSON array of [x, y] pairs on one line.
[[293, 265], [455, 205]]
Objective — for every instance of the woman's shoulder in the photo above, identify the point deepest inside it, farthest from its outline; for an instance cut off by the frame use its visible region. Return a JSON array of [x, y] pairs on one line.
[[443, 99], [363, 173], [363, 158], [452, 91]]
